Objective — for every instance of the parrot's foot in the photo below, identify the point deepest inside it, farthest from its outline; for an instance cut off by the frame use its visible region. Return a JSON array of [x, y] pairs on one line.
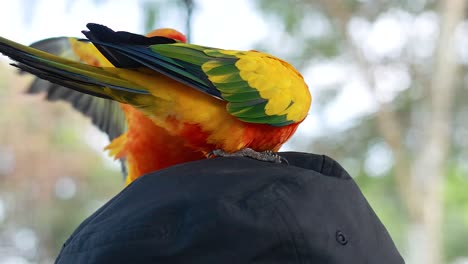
[[268, 155]]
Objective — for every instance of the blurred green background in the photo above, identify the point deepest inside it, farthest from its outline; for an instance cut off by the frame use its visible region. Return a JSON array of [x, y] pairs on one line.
[[389, 81]]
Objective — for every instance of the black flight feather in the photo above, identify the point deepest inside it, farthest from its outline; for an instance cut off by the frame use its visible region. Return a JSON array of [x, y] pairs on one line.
[[102, 33]]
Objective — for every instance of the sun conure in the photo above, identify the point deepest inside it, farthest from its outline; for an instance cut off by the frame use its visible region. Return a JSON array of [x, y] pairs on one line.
[[170, 102]]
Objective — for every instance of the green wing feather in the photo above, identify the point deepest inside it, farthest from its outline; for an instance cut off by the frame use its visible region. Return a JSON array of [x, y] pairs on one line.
[[249, 81]]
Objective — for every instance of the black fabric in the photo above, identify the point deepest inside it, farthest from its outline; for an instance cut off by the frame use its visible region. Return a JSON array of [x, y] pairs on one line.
[[236, 210]]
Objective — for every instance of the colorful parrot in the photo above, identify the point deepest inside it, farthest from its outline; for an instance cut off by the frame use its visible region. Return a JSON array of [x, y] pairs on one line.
[[170, 102]]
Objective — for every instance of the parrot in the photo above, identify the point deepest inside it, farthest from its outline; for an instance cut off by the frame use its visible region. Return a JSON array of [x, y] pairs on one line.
[[163, 101]]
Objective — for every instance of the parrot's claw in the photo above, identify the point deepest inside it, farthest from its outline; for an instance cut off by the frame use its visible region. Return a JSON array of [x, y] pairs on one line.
[[268, 155]]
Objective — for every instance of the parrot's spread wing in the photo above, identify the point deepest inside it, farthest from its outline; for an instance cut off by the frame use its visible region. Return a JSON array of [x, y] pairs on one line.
[[258, 87], [105, 114], [100, 82]]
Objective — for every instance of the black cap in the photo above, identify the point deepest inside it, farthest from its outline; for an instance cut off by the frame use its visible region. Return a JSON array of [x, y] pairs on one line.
[[236, 210]]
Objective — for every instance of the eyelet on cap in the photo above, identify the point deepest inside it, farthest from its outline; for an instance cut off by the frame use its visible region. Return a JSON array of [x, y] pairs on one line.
[[341, 238]]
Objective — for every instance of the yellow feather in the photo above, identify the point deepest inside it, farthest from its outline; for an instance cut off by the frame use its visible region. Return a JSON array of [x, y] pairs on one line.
[[116, 147], [276, 81], [88, 53]]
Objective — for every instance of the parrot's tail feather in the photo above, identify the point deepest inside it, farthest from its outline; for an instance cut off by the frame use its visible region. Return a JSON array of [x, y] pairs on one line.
[[96, 81], [80, 87]]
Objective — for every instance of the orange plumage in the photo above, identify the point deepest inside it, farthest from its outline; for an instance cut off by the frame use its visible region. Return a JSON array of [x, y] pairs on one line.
[[148, 147]]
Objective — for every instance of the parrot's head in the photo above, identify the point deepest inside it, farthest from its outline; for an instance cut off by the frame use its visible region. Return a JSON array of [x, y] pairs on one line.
[[168, 33]]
